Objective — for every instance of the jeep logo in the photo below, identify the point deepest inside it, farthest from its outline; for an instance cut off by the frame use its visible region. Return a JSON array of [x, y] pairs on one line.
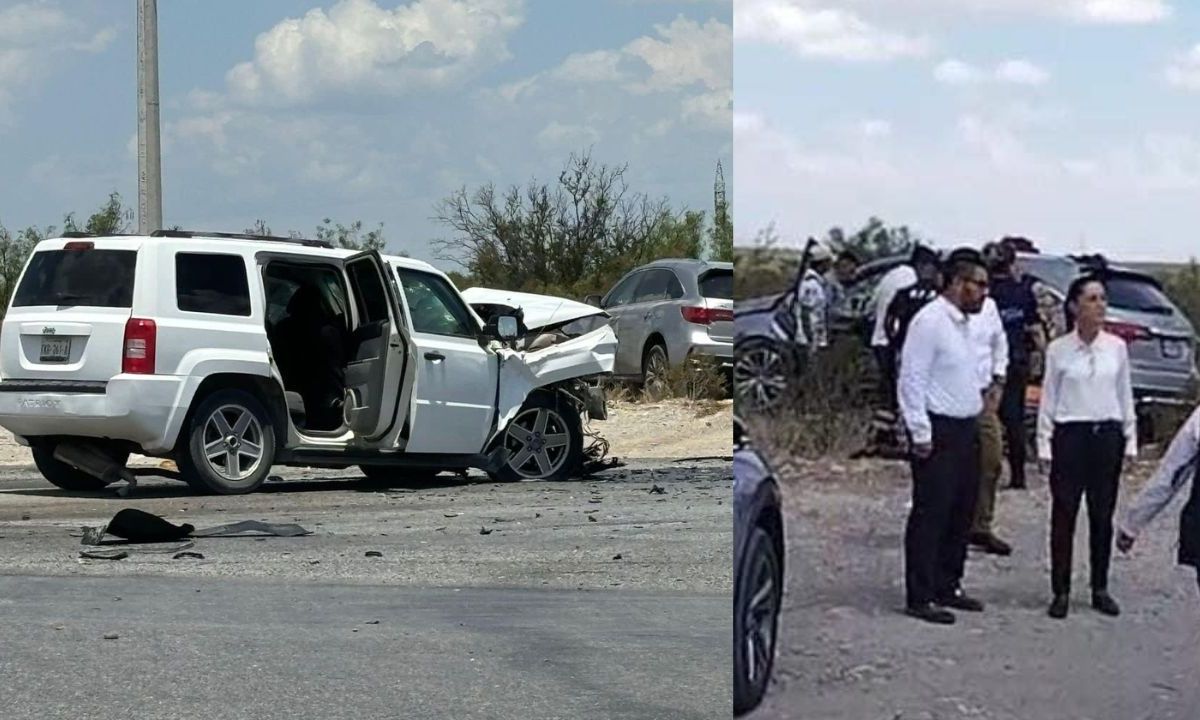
[[47, 331]]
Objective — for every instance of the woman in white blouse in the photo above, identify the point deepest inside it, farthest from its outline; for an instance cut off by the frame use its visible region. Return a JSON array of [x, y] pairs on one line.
[[1086, 428]]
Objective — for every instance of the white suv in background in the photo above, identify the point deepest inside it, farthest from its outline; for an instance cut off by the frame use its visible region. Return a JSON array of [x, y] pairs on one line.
[[232, 353]]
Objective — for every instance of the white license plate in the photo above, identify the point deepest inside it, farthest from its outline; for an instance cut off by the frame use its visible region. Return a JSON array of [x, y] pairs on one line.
[[1174, 349], [55, 349]]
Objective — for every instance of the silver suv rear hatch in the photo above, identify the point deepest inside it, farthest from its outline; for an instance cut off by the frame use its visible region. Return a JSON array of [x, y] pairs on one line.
[[68, 315], [716, 287]]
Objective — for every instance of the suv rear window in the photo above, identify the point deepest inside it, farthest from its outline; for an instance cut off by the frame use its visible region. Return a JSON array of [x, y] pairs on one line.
[[1130, 293], [86, 278], [208, 283], [717, 284]]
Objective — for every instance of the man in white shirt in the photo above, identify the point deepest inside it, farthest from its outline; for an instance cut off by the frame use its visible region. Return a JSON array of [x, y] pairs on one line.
[[940, 400], [991, 348]]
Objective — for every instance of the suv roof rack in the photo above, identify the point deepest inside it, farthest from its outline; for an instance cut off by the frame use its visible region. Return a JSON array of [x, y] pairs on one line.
[[72, 234], [240, 236]]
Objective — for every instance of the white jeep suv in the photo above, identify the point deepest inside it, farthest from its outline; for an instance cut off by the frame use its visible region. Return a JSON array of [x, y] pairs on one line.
[[232, 353]]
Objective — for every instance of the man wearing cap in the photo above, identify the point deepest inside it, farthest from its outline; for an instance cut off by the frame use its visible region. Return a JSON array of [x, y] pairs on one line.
[[813, 304]]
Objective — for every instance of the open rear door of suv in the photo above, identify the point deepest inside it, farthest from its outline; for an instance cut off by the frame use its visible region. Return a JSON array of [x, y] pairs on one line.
[[379, 374]]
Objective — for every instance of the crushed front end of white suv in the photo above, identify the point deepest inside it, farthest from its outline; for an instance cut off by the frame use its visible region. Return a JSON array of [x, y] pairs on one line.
[[233, 353]]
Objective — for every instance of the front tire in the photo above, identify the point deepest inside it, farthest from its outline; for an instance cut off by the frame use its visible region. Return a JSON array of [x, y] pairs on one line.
[[763, 374], [757, 595], [230, 444], [62, 475], [544, 441]]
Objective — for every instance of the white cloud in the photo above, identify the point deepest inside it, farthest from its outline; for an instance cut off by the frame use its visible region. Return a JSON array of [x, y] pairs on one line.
[[685, 57], [1184, 70], [875, 129], [559, 136], [957, 72], [359, 47], [823, 32], [588, 67], [1021, 72], [1100, 12]]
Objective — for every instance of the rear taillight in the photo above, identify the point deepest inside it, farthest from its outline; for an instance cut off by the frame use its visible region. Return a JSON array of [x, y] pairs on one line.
[[706, 316], [141, 340], [1127, 331], [77, 246]]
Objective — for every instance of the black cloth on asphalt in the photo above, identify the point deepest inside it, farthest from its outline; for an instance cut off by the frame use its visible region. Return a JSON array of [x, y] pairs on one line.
[[138, 526]]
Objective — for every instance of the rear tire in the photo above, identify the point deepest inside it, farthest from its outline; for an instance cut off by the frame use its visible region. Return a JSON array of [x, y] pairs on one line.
[[229, 447], [62, 475], [544, 441]]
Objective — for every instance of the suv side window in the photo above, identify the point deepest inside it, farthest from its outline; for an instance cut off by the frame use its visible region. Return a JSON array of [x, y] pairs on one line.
[[369, 293], [658, 285], [211, 283], [622, 294], [435, 307]]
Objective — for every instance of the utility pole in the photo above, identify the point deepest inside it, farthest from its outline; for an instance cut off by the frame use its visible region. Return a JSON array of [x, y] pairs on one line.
[[149, 149]]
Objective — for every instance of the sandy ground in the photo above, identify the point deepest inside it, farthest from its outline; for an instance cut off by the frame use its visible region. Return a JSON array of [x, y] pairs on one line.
[[848, 653]]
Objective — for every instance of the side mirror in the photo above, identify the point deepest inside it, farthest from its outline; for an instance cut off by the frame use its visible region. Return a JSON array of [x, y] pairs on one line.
[[505, 328], [593, 300]]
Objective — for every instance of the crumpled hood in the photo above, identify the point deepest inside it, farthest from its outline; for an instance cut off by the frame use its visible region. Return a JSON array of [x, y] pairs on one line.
[[523, 372], [540, 310]]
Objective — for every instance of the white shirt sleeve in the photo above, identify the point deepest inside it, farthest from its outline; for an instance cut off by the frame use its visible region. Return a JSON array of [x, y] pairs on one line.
[[916, 364], [1178, 465], [893, 282], [999, 341], [1125, 397], [1045, 423]]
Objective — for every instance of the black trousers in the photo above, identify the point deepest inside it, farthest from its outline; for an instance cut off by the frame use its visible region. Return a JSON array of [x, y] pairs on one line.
[[885, 359], [945, 487], [1087, 461], [1012, 416]]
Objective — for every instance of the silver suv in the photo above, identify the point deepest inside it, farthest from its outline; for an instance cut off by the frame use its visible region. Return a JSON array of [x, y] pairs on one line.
[[669, 311]]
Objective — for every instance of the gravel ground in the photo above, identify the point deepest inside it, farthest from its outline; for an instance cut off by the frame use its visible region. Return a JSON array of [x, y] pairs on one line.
[[848, 653]]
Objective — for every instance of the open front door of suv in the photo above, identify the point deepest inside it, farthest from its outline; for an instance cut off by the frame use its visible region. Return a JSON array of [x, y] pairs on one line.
[[381, 371]]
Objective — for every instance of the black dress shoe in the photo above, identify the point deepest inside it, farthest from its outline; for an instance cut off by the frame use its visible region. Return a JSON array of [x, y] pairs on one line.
[[1104, 602], [1058, 608], [959, 600], [990, 544], [931, 614]]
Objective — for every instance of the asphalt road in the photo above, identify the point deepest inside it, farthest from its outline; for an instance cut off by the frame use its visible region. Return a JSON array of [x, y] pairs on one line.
[[596, 598]]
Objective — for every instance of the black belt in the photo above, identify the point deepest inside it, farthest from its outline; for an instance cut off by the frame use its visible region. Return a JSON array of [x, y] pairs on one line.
[[1095, 427]]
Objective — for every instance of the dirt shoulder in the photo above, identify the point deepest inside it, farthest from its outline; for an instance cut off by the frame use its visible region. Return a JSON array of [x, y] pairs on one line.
[[848, 653]]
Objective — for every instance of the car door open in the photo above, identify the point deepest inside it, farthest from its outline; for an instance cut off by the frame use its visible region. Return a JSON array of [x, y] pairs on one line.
[[378, 381]]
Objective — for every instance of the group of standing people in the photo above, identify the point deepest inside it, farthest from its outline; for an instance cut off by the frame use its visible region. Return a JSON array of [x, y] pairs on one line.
[[958, 340]]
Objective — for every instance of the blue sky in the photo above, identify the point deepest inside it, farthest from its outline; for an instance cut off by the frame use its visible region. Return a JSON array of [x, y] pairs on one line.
[[295, 110], [1074, 122]]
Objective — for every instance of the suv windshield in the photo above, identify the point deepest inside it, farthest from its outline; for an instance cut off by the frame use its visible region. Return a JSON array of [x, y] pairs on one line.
[[717, 284], [1132, 293], [88, 278]]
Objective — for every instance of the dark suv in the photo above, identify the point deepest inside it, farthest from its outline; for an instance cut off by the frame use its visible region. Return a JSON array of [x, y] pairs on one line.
[[758, 562]]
